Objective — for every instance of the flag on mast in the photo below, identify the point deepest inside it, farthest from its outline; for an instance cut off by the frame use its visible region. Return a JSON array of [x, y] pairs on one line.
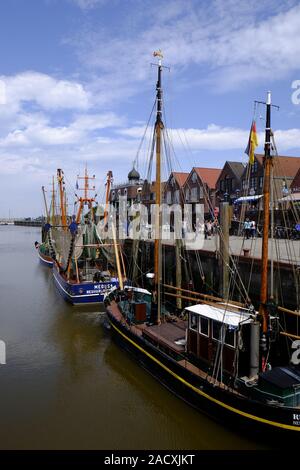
[[252, 143]]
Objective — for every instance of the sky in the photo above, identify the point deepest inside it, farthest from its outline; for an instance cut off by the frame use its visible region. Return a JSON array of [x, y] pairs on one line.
[[77, 86]]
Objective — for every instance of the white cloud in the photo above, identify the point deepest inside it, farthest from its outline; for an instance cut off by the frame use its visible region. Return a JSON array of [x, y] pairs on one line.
[[218, 138], [37, 130], [235, 43], [45, 91]]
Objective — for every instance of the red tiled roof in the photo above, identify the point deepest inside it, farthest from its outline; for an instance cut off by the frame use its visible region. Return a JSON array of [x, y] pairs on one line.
[[208, 175], [180, 177], [283, 166]]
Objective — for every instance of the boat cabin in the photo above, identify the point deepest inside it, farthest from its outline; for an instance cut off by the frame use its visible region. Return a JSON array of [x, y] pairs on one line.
[[210, 326]]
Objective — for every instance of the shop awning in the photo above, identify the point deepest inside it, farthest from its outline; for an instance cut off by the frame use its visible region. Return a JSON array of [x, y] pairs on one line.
[[242, 199], [290, 198]]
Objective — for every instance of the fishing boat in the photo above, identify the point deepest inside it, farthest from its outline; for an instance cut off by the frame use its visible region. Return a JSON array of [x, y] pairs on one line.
[[81, 272], [220, 356]]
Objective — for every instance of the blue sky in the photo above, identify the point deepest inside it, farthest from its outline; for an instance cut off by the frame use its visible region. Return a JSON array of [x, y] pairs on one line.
[[77, 85]]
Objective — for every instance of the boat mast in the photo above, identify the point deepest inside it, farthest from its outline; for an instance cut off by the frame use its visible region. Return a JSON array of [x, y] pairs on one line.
[[107, 193], [157, 242], [268, 163], [46, 205], [53, 202], [60, 179], [85, 199]]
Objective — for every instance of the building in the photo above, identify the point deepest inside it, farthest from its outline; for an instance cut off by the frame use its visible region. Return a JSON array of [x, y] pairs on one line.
[[132, 189], [173, 189], [295, 185], [229, 182], [200, 187], [284, 172]]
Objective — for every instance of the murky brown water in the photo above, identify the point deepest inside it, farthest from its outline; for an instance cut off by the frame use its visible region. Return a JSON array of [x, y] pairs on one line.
[[67, 385]]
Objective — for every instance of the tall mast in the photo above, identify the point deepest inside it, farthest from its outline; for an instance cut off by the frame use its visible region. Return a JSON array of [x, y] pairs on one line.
[[46, 205], [157, 243], [108, 186], [268, 163], [53, 202], [85, 199], [60, 179]]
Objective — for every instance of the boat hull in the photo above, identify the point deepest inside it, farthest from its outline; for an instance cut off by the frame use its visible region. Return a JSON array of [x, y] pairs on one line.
[[45, 260], [231, 409], [82, 293]]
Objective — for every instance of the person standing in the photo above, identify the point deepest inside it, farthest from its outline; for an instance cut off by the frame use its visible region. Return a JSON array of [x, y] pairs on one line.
[[253, 228], [247, 227]]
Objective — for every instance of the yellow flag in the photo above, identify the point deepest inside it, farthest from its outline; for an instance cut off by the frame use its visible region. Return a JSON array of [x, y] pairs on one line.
[[252, 143]]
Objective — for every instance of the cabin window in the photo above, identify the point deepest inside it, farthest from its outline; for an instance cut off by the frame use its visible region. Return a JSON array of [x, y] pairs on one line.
[[230, 336], [194, 177], [204, 326], [193, 322], [216, 333], [229, 333]]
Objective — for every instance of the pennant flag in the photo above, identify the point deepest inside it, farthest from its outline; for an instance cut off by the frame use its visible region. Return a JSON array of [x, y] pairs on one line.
[[252, 143]]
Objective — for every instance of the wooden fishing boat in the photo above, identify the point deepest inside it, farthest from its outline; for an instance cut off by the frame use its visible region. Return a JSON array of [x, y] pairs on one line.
[[220, 356]]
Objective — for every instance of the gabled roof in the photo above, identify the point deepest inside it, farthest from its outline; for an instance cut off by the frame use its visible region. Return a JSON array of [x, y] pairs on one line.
[[283, 166], [237, 168], [295, 181], [179, 177], [208, 175]]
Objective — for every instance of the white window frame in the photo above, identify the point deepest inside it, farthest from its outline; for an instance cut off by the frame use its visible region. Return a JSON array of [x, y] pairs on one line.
[[208, 329]]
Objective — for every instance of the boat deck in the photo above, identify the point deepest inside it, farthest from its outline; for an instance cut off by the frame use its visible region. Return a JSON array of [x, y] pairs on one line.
[[167, 334]]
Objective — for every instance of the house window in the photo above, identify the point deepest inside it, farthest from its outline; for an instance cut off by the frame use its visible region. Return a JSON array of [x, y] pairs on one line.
[[204, 326], [261, 181], [176, 196], [253, 182], [194, 194], [187, 194], [193, 321], [228, 184], [194, 177], [222, 185], [201, 192], [254, 167]]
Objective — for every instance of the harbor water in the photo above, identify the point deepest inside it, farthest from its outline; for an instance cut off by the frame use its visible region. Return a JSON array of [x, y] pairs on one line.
[[67, 385]]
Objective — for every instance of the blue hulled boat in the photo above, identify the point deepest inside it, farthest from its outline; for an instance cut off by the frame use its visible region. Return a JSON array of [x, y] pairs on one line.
[[78, 293]]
